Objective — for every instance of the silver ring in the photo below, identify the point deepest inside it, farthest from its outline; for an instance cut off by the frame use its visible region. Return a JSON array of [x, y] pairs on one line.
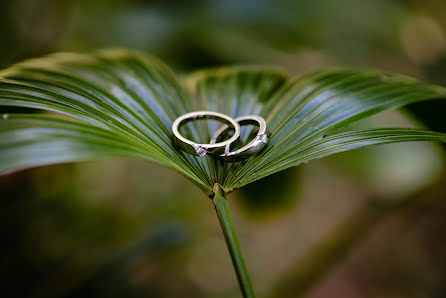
[[203, 149], [257, 144]]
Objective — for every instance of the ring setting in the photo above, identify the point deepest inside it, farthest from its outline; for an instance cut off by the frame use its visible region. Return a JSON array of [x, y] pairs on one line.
[[222, 149]]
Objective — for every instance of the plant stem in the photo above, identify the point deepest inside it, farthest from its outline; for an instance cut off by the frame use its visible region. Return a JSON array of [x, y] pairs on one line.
[[224, 216]]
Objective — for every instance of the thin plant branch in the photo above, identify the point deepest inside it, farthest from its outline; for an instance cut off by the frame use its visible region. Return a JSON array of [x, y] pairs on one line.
[[224, 216]]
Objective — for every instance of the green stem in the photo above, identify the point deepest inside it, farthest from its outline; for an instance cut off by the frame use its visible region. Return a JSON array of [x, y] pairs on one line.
[[224, 216]]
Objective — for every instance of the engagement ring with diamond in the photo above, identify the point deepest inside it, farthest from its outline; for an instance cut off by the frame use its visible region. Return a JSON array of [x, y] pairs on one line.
[[222, 150], [256, 144], [203, 149]]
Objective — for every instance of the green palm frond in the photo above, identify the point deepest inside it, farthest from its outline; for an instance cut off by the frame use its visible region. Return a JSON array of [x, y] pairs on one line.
[[122, 103]]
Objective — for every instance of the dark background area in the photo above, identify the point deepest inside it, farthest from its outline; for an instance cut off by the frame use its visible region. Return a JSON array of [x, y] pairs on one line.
[[362, 224]]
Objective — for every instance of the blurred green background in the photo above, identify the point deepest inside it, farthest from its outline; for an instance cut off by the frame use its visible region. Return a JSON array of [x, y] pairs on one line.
[[362, 224]]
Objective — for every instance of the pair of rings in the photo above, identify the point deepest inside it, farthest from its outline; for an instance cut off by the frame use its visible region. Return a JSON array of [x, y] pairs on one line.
[[222, 149]]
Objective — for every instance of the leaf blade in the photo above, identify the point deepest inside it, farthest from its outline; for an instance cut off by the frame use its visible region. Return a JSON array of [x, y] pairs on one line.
[[352, 140], [136, 97]]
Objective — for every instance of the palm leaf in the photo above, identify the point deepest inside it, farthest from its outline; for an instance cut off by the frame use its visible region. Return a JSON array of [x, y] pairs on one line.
[[122, 103], [36, 140]]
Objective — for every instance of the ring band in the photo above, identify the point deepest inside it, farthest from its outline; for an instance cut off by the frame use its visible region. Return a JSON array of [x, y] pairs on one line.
[[257, 144], [203, 149]]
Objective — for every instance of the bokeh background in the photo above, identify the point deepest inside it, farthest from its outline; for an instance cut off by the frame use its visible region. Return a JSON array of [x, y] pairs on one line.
[[361, 224]]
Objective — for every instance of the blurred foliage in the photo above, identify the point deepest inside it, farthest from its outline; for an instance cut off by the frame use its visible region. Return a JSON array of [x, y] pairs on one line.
[[272, 193], [67, 230]]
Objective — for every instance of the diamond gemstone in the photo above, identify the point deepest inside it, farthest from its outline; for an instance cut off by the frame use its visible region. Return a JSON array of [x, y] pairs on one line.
[[200, 151], [263, 138]]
